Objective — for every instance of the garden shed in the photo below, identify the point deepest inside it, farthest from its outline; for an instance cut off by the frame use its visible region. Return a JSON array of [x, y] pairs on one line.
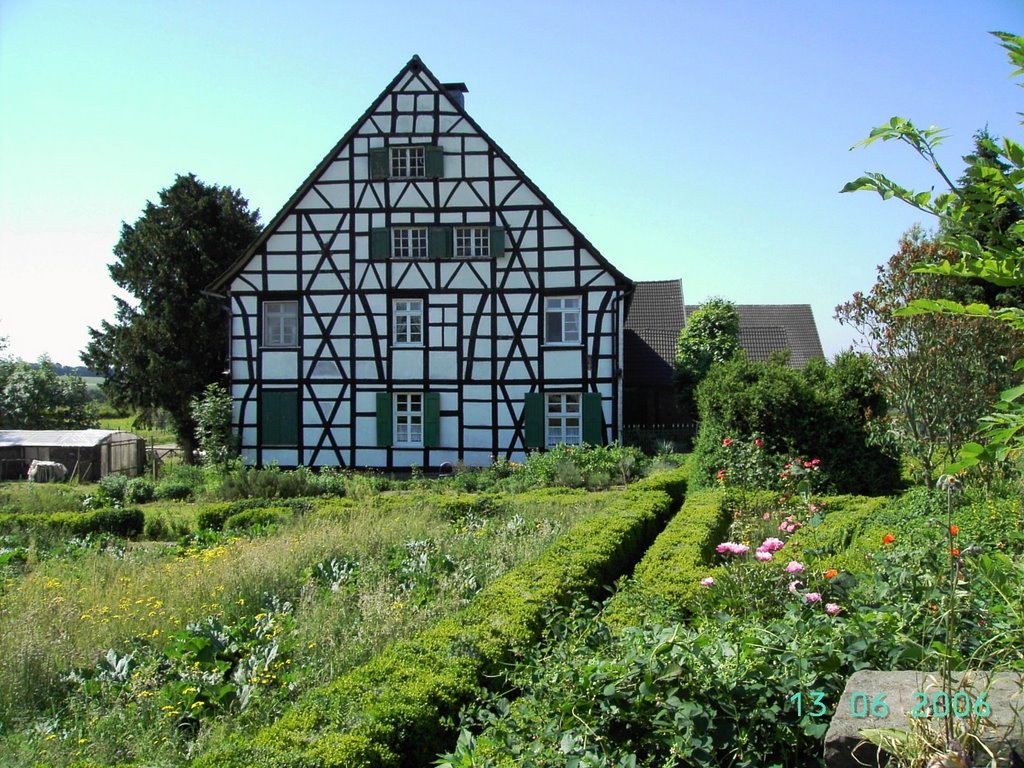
[[88, 454]]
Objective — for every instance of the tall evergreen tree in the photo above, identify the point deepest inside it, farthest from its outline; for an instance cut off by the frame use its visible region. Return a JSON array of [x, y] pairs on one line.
[[164, 348]]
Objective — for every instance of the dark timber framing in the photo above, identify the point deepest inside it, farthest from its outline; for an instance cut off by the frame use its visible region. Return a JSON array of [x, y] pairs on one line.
[[483, 348]]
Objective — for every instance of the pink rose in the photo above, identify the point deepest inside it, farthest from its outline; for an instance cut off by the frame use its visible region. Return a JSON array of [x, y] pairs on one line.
[[764, 555], [812, 597], [771, 544], [832, 609], [793, 567], [707, 582]]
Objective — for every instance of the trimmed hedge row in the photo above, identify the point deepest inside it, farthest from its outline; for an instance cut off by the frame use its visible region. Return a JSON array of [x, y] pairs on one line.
[[400, 708], [679, 558], [121, 522], [847, 530]]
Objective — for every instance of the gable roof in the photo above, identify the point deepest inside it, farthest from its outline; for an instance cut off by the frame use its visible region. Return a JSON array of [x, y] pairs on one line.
[[657, 314], [652, 327], [451, 91], [769, 328]]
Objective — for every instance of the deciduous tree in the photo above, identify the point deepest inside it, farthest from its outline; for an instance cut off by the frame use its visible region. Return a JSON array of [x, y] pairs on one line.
[[167, 345], [37, 397], [711, 335], [939, 373]]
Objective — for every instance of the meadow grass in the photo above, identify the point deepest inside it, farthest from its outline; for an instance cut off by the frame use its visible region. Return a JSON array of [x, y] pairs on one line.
[[358, 575]]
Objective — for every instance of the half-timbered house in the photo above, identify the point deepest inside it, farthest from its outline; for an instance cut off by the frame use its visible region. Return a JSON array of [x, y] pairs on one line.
[[418, 301]]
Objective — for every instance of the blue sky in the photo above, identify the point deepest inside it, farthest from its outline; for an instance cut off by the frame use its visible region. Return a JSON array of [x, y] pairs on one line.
[[705, 141]]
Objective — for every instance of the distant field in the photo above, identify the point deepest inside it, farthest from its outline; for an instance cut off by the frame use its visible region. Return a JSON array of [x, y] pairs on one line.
[[127, 424]]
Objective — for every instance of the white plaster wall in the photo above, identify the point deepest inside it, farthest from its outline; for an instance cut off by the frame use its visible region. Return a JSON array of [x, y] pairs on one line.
[[280, 365]]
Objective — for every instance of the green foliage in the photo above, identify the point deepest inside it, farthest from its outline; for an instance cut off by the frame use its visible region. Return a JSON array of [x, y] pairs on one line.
[[682, 555], [212, 416], [121, 522], [36, 397], [820, 412], [711, 335], [576, 466], [114, 486], [139, 490], [710, 694], [402, 702], [167, 345], [939, 373], [979, 222]]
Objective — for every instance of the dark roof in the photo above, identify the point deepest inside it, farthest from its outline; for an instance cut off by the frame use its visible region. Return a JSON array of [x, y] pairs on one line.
[[452, 91], [769, 328], [656, 314], [652, 326]]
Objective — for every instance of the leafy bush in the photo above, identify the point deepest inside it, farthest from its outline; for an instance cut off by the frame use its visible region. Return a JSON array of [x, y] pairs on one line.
[[174, 490], [820, 412], [252, 518], [683, 554], [268, 483], [114, 486], [139, 491]]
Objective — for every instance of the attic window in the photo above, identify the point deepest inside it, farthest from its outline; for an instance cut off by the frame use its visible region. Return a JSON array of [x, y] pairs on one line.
[[409, 161]]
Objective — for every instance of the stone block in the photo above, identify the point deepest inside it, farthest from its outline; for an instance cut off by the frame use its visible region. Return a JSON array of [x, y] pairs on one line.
[[909, 700]]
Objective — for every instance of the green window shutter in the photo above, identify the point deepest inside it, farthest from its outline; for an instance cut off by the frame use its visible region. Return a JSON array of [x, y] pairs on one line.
[[497, 242], [439, 243], [380, 244], [385, 420], [434, 162], [533, 418], [593, 419], [379, 163], [431, 420], [279, 417]]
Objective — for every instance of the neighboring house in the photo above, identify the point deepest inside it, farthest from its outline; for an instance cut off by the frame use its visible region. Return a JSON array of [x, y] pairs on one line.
[[652, 328], [769, 328], [419, 301], [656, 317]]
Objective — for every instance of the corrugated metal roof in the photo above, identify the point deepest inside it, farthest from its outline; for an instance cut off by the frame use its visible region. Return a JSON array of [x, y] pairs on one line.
[[64, 438]]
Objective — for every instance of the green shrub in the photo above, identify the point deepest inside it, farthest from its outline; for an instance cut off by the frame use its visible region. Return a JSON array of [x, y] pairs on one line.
[[139, 491], [114, 486], [121, 522], [252, 518], [821, 412], [269, 483], [174, 490], [672, 569]]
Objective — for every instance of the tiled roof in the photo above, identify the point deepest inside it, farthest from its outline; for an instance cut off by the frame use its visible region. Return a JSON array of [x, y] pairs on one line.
[[769, 328], [657, 314], [652, 327]]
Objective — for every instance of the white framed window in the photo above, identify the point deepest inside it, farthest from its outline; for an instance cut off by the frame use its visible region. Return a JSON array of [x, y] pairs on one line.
[[408, 418], [409, 162], [409, 243], [408, 321], [472, 242], [281, 323], [563, 419], [562, 320]]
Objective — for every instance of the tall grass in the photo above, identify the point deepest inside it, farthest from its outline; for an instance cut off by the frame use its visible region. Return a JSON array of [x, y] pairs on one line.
[[409, 558]]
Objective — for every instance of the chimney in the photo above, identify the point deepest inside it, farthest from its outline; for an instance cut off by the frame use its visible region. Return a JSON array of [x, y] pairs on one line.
[[457, 91]]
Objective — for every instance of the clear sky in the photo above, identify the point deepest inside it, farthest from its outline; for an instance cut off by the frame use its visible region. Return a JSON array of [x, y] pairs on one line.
[[705, 141]]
